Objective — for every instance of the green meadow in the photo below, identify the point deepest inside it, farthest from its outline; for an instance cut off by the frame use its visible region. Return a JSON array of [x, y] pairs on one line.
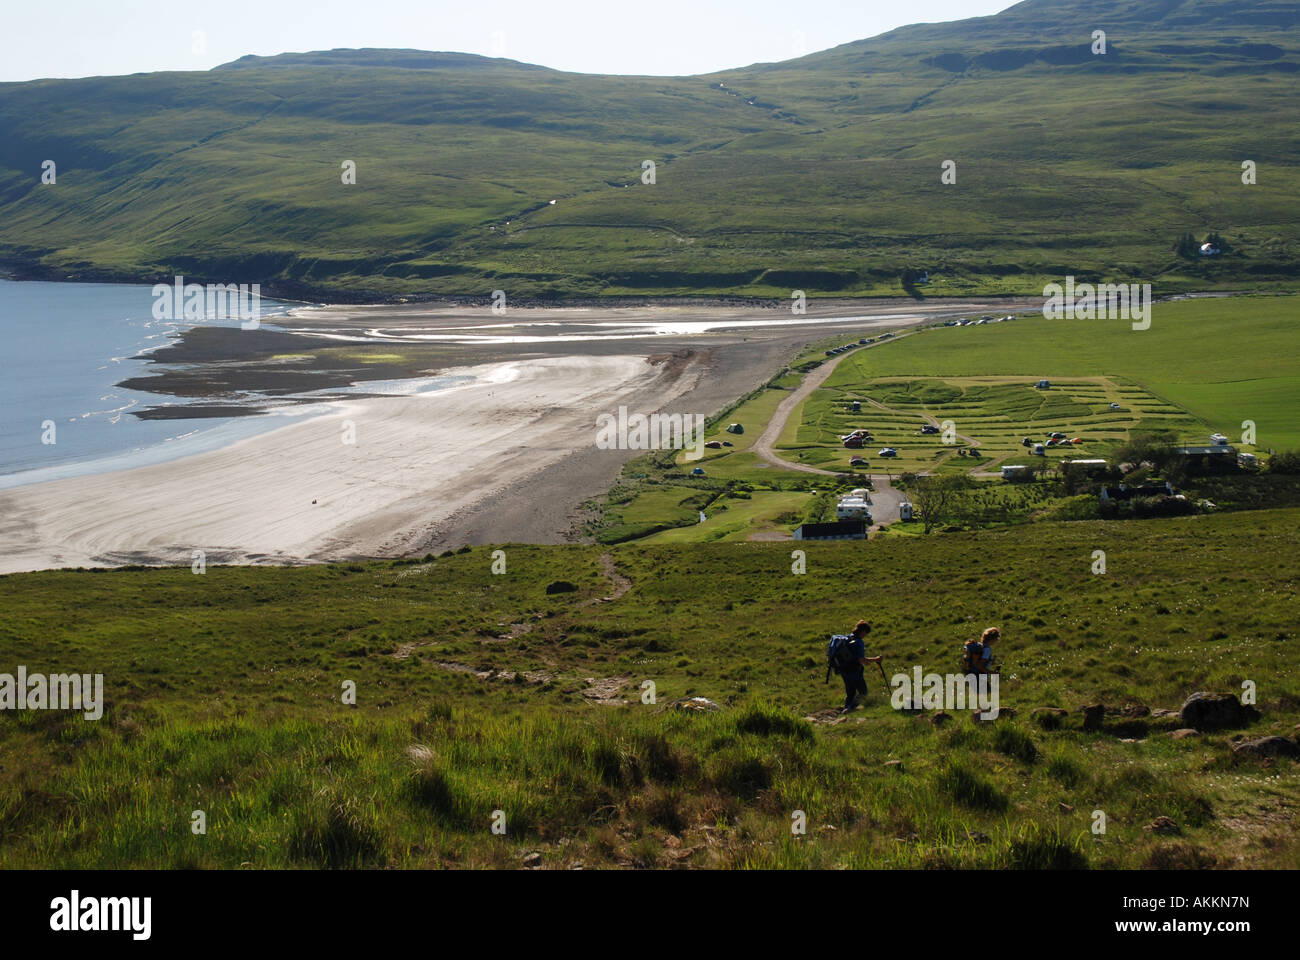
[[478, 692]]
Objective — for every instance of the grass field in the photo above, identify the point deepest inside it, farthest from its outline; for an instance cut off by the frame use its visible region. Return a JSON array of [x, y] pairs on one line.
[[1226, 360], [224, 695]]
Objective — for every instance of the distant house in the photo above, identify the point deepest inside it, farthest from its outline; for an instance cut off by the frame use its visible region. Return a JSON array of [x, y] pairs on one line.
[[1125, 492], [1086, 466], [1219, 458], [838, 530]]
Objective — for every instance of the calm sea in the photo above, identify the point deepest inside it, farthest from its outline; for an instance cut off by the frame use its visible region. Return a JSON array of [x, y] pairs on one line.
[[63, 346]]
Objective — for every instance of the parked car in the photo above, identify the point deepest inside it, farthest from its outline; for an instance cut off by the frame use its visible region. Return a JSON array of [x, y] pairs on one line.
[[857, 462], [713, 445], [853, 443], [929, 428], [887, 452]]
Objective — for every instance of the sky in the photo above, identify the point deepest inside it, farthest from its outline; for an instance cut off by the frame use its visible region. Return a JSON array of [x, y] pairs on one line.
[[85, 38]]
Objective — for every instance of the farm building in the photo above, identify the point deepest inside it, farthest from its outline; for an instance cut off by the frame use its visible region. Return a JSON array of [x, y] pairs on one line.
[[1219, 458], [838, 530], [1086, 466], [1125, 492]]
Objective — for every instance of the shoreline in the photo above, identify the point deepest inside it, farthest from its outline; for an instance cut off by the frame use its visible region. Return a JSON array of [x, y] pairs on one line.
[[302, 494]]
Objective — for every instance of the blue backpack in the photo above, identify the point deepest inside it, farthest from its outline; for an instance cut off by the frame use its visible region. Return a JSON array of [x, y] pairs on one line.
[[839, 654]]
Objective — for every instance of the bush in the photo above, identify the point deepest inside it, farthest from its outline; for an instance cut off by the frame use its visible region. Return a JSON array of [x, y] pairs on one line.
[[1285, 461]]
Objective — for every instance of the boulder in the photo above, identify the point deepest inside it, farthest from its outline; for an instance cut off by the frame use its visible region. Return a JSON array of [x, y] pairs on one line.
[[696, 704], [560, 586], [1267, 747], [1215, 711], [1093, 716]]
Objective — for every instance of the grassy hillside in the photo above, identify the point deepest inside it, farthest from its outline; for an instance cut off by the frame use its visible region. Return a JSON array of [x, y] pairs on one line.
[[821, 173], [479, 692]]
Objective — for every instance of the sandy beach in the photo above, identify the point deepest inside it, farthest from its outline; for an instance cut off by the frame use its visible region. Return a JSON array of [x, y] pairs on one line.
[[300, 492]]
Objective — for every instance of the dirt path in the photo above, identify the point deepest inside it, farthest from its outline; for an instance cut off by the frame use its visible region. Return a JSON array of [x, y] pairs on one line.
[[620, 584], [885, 500], [765, 445]]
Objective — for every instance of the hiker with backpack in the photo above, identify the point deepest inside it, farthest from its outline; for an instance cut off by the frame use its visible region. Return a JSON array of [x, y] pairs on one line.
[[977, 655], [846, 654]]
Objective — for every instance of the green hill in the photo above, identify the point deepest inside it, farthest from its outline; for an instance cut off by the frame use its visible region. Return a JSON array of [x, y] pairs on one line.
[[821, 173], [478, 692]]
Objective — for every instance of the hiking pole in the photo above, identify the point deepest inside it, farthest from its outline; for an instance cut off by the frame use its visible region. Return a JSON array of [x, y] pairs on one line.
[[888, 689]]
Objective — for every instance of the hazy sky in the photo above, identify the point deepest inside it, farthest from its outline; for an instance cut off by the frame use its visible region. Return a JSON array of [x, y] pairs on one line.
[[81, 38]]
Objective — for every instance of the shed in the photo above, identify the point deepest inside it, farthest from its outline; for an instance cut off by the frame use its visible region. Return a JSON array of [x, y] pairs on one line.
[[837, 530]]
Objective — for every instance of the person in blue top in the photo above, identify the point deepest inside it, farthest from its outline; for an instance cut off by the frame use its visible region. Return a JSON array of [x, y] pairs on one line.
[[855, 683]]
